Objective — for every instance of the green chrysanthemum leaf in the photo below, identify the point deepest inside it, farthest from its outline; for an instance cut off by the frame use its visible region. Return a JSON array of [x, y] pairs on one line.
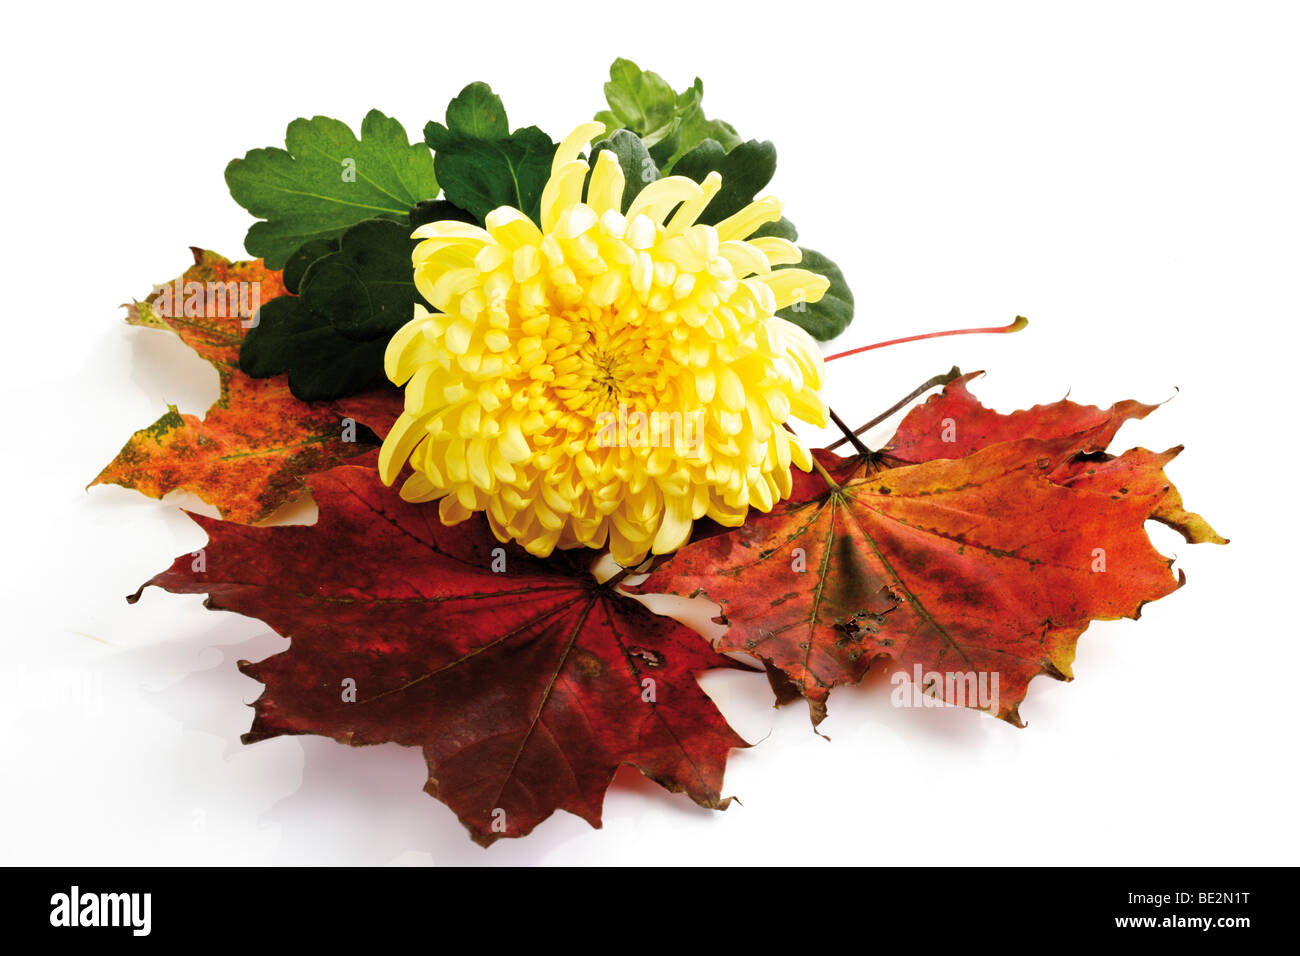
[[326, 180], [482, 165], [330, 338]]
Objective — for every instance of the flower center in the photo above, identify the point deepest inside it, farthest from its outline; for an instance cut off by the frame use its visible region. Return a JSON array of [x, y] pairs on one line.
[[604, 372], [612, 363]]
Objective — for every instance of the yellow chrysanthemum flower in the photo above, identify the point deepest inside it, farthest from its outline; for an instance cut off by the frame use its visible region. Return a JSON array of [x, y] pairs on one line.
[[609, 377]]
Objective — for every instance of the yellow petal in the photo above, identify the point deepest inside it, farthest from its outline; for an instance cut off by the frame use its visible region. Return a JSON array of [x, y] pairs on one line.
[[418, 487], [676, 526], [745, 259], [605, 191], [407, 432], [657, 199], [402, 340], [451, 229], [742, 224], [512, 228], [779, 252], [795, 285], [575, 143], [692, 209], [562, 190]]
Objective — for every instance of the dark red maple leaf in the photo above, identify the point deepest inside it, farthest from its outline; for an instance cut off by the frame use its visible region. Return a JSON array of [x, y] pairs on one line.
[[988, 564], [526, 682]]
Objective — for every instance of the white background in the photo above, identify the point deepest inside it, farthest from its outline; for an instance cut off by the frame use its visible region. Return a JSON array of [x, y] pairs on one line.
[[1126, 175]]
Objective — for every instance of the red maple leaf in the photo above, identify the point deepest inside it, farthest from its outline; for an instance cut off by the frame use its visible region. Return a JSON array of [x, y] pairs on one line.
[[1140, 472], [953, 423], [980, 570], [525, 682]]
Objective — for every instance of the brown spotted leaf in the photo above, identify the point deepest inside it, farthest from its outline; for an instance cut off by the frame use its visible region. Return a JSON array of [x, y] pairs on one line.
[[250, 452], [982, 567]]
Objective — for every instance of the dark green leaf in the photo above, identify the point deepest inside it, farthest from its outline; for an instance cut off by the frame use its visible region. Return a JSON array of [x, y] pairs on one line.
[[327, 180], [331, 337], [745, 170], [480, 175], [322, 364], [831, 314], [439, 210], [366, 289], [639, 169], [481, 166], [478, 113], [307, 253], [783, 229]]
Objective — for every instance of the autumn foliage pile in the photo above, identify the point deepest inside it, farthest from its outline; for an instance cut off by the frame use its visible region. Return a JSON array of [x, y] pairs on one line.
[[972, 543]]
